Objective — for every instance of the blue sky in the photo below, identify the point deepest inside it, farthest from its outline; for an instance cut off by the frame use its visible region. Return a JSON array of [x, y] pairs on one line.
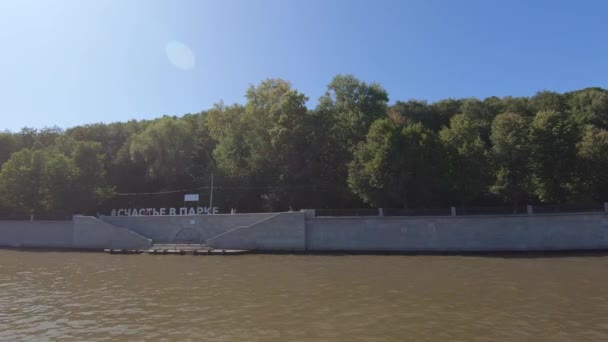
[[75, 62]]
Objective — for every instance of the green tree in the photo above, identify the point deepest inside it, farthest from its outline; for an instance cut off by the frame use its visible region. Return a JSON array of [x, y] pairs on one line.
[[548, 101], [21, 181], [226, 128], [89, 186], [445, 109], [510, 155], [265, 144], [47, 136], [396, 166], [342, 118], [273, 113], [466, 156], [47, 181], [123, 171], [203, 163], [493, 106], [414, 111], [593, 154], [553, 138], [58, 184], [166, 148], [38, 182], [8, 145], [519, 105], [481, 114], [27, 137], [590, 106], [272, 152], [277, 116], [354, 105]]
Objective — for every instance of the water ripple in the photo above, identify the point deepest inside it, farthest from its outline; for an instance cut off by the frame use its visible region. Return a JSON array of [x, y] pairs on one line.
[[99, 297]]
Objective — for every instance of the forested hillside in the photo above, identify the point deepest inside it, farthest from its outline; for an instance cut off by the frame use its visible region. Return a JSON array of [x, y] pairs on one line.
[[352, 149]]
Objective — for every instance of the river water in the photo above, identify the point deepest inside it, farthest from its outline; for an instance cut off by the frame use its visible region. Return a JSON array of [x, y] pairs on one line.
[[100, 297]]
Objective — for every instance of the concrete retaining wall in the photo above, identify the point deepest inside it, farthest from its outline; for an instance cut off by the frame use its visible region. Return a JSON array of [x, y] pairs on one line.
[[295, 231], [36, 234], [82, 233], [184, 229], [92, 233], [303, 231], [281, 232], [460, 234]]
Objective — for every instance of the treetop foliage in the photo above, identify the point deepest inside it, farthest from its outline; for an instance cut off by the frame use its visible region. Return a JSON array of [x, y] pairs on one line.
[[352, 149]]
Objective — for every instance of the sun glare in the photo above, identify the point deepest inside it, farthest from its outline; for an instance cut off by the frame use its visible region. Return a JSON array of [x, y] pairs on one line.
[[180, 55]]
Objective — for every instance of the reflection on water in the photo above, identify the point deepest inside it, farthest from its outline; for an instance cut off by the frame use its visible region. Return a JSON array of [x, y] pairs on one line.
[[89, 296]]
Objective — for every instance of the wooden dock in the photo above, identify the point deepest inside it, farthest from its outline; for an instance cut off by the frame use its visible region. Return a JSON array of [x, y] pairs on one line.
[[178, 249]]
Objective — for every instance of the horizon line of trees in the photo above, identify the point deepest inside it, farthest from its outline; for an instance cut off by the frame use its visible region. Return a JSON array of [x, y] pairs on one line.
[[352, 150]]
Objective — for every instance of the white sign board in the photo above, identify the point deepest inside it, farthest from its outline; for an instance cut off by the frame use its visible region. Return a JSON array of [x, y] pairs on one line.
[[191, 198]]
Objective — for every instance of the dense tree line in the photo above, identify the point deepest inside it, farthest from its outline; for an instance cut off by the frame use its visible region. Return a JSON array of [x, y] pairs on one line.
[[353, 149]]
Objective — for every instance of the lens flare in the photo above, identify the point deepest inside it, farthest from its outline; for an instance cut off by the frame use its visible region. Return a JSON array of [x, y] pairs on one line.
[[180, 55]]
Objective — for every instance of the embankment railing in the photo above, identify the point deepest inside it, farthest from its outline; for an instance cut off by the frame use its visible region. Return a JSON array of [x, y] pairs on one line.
[[466, 211]]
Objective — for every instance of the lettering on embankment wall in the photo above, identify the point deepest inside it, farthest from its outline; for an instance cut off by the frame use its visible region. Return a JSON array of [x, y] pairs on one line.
[[165, 211]]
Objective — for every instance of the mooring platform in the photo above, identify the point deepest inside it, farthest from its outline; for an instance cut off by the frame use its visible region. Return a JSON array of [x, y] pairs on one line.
[[178, 249]]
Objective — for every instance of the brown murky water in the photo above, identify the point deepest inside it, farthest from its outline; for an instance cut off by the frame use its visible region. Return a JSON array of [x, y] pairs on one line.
[[89, 296]]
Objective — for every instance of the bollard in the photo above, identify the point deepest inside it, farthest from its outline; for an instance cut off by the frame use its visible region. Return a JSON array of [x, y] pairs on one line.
[[380, 212], [453, 211], [530, 210]]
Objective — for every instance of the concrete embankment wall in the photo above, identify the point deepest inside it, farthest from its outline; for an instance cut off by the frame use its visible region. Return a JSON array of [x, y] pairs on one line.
[[460, 234], [92, 233], [36, 234], [184, 229], [295, 232], [82, 233], [280, 232], [303, 232]]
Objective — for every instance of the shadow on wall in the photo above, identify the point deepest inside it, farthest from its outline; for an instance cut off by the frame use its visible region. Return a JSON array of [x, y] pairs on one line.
[[188, 236]]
